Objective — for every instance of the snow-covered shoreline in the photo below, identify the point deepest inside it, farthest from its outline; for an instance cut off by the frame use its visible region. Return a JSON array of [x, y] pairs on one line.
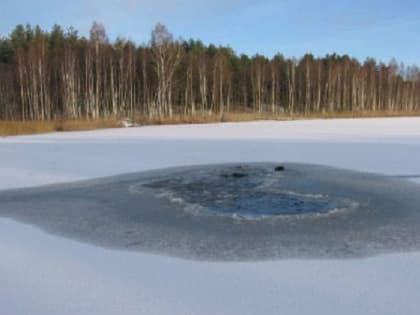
[[44, 274], [387, 146]]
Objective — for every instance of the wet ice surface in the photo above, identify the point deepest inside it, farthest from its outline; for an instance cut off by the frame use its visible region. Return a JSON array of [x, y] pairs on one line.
[[251, 192], [231, 212]]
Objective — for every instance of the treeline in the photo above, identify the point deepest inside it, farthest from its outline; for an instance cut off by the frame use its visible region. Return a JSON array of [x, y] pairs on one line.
[[61, 75]]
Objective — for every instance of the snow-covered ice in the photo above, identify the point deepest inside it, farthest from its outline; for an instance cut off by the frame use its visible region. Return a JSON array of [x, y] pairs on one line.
[[45, 274]]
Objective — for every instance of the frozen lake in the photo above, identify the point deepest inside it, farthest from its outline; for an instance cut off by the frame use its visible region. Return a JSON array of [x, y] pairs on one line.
[[44, 274]]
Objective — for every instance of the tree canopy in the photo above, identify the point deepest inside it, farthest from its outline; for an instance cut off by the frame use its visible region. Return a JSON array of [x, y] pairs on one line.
[[59, 74]]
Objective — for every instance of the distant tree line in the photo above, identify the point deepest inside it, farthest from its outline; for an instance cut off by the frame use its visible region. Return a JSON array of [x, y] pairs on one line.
[[61, 75]]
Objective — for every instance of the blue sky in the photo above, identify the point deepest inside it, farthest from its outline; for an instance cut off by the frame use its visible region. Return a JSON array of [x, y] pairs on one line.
[[381, 29]]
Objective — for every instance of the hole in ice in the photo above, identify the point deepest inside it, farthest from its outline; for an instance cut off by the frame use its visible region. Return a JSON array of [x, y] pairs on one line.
[[241, 191]]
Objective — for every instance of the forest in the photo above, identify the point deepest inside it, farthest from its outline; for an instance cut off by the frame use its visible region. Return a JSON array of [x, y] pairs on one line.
[[57, 74]]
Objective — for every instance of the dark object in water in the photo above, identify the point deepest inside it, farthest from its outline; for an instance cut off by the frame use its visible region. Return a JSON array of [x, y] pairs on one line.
[[234, 175], [279, 168]]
